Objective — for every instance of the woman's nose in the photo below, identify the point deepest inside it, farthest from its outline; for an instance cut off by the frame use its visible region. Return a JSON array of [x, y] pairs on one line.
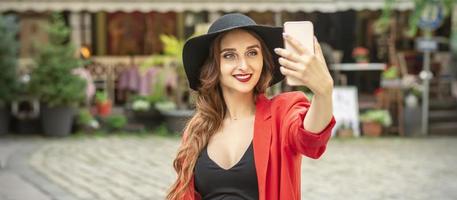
[[242, 64]]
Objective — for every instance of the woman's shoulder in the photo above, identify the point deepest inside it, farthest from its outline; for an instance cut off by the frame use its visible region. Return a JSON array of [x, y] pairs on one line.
[[282, 103]]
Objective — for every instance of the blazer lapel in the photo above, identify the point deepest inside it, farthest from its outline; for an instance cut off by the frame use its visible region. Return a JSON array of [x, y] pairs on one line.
[[262, 140]]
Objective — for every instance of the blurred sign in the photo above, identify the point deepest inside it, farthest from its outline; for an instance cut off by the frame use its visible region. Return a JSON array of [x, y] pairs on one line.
[[426, 45], [432, 16], [346, 109]]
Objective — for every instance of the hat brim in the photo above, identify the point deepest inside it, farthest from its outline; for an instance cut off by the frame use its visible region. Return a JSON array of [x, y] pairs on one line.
[[196, 50]]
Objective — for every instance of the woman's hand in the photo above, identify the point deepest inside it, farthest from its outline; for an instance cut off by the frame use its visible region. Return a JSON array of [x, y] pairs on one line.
[[310, 69]]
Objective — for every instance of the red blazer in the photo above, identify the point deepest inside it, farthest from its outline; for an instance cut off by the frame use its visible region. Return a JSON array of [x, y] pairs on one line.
[[279, 143]]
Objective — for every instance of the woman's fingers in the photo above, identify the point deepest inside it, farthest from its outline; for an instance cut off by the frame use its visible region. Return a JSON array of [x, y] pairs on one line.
[[289, 72], [288, 55], [291, 64], [296, 44]]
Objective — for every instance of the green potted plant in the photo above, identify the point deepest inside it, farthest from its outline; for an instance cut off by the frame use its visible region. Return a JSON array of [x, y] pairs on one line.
[[144, 112], [103, 104], [115, 122], [374, 120], [86, 121], [8, 62], [141, 108], [60, 91], [361, 55]]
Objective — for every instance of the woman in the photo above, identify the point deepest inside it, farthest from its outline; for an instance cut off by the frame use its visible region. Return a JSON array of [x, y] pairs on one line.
[[240, 144]]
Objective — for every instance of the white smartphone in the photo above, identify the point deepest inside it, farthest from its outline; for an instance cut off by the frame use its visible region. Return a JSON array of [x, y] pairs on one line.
[[302, 31]]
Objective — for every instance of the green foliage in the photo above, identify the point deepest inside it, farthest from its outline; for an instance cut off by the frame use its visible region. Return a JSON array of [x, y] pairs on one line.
[[162, 130], [390, 73], [116, 121], [383, 22], [53, 81], [8, 59], [101, 97], [377, 115], [85, 118], [172, 46], [172, 51]]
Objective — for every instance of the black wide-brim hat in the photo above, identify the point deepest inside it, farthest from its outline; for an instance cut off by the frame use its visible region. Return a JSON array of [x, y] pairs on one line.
[[196, 50]]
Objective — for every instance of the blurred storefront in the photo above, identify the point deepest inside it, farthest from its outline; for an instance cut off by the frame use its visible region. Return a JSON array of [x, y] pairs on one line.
[[122, 34], [122, 28]]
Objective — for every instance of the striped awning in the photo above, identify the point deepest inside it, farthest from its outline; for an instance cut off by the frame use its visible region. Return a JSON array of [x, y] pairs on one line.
[[197, 5]]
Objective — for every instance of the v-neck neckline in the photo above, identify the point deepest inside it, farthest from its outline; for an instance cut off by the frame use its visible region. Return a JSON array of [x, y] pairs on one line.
[[236, 164]]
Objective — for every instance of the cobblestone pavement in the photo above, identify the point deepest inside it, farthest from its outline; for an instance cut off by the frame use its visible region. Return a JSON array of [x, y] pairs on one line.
[[140, 168]]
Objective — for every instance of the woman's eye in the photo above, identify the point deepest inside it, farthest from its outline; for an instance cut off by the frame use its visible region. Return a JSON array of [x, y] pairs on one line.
[[228, 56], [252, 53]]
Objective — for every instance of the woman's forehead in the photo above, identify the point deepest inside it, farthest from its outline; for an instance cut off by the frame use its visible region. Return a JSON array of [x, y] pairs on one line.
[[238, 39]]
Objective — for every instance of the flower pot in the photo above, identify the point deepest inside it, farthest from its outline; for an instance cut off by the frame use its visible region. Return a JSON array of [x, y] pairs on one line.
[[372, 129], [345, 133], [151, 118], [104, 108], [361, 60], [412, 120], [57, 121], [175, 120], [4, 120], [27, 126]]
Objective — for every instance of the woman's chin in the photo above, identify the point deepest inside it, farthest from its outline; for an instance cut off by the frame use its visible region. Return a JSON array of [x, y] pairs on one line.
[[244, 89]]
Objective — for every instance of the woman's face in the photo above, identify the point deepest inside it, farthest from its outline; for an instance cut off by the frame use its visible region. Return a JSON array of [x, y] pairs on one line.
[[241, 61]]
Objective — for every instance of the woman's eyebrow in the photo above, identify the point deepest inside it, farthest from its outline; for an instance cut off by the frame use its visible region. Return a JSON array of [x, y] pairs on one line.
[[228, 49], [233, 49], [253, 46]]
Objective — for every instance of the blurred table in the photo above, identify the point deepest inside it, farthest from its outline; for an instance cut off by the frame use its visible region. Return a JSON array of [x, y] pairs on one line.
[[358, 67], [366, 76]]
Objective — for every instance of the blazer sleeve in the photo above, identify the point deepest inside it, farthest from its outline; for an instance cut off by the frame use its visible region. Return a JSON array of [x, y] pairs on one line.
[[299, 140]]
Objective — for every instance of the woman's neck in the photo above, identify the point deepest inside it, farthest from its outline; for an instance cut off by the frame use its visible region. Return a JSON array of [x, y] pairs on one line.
[[239, 105]]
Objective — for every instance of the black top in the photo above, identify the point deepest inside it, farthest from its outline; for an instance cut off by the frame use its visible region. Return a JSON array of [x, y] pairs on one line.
[[236, 183]]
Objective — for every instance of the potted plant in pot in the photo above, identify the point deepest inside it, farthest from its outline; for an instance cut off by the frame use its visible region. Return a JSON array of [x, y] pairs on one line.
[[412, 111], [345, 130], [144, 111], [86, 121], [141, 107], [60, 91], [374, 120], [8, 62], [103, 103], [115, 122], [360, 55]]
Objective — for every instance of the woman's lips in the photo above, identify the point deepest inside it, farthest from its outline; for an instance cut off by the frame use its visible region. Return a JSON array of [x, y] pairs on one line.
[[243, 77]]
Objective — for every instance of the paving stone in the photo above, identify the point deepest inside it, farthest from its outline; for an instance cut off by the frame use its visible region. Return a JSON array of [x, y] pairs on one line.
[[13, 187], [141, 168]]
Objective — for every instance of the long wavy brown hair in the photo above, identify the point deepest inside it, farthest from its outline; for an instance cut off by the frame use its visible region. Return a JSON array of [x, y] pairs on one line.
[[209, 115]]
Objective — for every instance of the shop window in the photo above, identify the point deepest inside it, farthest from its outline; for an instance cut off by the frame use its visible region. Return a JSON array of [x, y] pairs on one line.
[[138, 33]]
